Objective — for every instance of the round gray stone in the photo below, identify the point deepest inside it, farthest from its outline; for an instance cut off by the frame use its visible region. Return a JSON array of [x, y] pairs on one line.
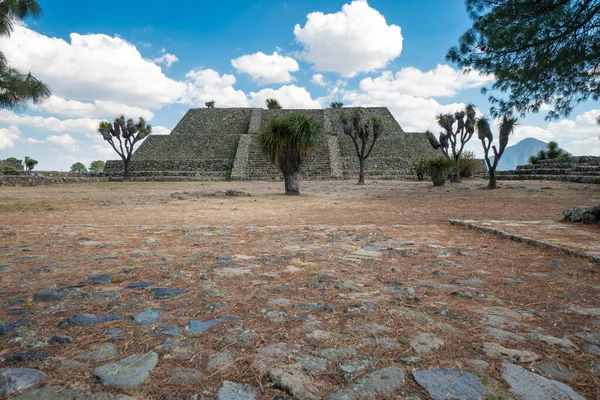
[[129, 372], [447, 383], [527, 385], [14, 380], [236, 391]]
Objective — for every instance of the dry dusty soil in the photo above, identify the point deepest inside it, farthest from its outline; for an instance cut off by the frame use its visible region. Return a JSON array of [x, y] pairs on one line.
[[178, 291]]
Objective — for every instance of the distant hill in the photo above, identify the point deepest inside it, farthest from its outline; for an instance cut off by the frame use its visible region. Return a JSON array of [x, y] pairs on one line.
[[519, 153]]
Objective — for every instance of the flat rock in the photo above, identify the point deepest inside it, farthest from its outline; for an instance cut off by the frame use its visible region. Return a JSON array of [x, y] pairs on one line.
[[320, 335], [312, 363], [49, 393], [54, 294], [233, 272], [278, 302], [530, 386], [426, 343], [140, 285], [200, 326], [371, 328], [236, 391], [169, 330], [417, 318], [115, 334], [513, 281], [336, 353], [103, 279], [499, 334], [554, 341], [469, 282], [60, 340], [295, 382], [447, 383], [595, 312], [147, 317], [14, 380], [385, 342], [166, 293], [183, 376], [589, 337], [7, 328], [178, 349], [494, 350], [555, 370], [129, 372], [82, 319], [384, 382], [354, 367], [314, 306], [220, 361], [274, 354], [430, 284], [25, 356], [99, 353]]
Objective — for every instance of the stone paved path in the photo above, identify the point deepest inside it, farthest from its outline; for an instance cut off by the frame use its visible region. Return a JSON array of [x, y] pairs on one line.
[[306, 312]]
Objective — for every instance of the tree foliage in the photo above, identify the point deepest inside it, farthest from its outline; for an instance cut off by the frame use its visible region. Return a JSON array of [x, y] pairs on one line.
[[16, 88], [539, 51], [273, 104], [210, 104], [30, 163], [484, 132], [97, 166], [287, 141], [454, 139], [552, 152], [78, 168], [123, 135], [437, 168], [364, 135], [337, 104]]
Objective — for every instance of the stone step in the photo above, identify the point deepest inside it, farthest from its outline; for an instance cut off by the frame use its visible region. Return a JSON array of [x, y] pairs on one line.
[[564, 178], [552, 171]]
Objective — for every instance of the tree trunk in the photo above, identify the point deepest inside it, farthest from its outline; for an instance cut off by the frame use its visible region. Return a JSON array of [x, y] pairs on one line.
[[126, 171], [292, 183], [361, 173], [492, 183], [457, 169]]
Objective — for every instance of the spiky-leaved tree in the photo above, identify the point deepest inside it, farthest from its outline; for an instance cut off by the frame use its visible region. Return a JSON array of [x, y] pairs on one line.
[[287, 141], [123, 135], [336, 104], [17, 88], [30, 163], [484, 132], [364, 135], [454, 140], [273, 104]]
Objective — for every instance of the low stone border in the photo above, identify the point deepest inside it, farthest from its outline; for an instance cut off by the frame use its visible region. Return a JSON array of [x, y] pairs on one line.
[[534, 242]]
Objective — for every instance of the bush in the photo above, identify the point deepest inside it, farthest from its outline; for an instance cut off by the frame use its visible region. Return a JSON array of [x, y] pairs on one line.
[[438, 168], [469, 165], [419, 169]]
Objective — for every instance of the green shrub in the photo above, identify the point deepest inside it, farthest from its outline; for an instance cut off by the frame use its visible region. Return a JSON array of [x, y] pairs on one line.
[[438, 168], [469, 165], [419, 169]]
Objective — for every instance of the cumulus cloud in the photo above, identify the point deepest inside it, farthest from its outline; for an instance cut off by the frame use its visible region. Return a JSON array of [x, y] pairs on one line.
[[165, 58], [353, 40], [289, 96], [160, 130], [266, 69], [50, 124], [64, 141], [319, 80], [97, 109], [441, 81], [92, 66], [206, 84], [8, 137]]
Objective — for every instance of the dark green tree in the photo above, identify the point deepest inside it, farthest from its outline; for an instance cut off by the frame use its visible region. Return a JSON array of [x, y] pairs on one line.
[[123, 135], [97, 166], [364, 135], [337, 104], [287, 141], [484, 132], [12, 164], [210, 104], [539, 51], [17, 88], [78, 168], [30, 163], [454, 139], [273, 104], [553, 151]]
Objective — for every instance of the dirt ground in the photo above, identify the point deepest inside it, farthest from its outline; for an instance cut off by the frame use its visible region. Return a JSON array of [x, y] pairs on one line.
[[350, 252]]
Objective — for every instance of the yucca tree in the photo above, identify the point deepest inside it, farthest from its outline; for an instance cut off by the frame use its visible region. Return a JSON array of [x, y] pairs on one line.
[[451, 139], [273, 104], [364, 135], [123, 135], [17, 88], [287, 141], [30, 163], [484, 132]]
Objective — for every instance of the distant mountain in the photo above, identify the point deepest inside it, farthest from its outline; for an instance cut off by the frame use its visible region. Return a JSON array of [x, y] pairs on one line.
[[519, 153]]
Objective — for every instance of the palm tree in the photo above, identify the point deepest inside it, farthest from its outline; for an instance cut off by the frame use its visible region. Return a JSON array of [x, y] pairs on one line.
[[273, 104], [507, 126], [17, 88], [30, 163], [287, 141]]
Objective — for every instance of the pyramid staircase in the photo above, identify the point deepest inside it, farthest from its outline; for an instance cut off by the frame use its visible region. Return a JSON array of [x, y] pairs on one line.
[[582, 169]]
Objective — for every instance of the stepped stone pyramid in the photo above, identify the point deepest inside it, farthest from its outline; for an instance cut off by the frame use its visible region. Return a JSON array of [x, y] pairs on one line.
[[582, 169], [221, 144]]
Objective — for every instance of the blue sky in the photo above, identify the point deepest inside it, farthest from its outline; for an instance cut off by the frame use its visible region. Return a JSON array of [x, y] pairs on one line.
[[158, 60]]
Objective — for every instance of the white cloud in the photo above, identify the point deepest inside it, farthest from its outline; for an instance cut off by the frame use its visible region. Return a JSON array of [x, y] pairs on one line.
[[319, 80], [8, 137], [160, 130], [50, 124], [98, 109], [166, 58], [289, 96], [206, 84], [91, 67], [356, 39], [266, 69], [64, 141], [442, 81]]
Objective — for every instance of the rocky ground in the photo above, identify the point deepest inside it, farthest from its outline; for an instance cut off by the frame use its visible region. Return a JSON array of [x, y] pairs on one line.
[[400, 308]]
